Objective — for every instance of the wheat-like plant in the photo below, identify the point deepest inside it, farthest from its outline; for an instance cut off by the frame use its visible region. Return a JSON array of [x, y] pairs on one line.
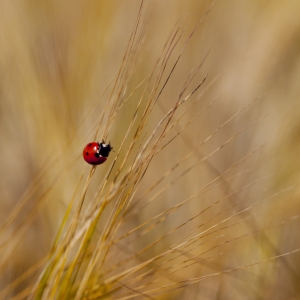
[[190, 204]]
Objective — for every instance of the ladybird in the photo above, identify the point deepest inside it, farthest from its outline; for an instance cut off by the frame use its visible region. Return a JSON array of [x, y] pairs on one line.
[[96, 153]]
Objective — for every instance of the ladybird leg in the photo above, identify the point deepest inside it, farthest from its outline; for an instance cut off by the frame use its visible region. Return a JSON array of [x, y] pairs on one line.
[[110, 146]]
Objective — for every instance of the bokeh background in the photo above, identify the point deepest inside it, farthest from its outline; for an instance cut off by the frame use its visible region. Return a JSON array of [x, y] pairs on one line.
[[56, 59]]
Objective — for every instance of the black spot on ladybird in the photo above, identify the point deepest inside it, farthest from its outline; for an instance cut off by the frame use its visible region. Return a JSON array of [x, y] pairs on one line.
[[86, 153]]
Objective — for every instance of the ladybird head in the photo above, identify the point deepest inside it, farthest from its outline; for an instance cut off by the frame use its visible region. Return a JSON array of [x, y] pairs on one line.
[[104, 149]]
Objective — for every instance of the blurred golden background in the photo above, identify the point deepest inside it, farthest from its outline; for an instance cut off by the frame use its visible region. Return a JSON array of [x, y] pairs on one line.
[[56, 59]]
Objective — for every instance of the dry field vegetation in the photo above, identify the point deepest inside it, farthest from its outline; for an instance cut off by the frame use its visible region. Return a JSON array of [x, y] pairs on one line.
[[200, 197]]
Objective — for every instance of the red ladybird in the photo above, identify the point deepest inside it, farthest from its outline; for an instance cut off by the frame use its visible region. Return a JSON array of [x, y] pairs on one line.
[[95, 153]]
